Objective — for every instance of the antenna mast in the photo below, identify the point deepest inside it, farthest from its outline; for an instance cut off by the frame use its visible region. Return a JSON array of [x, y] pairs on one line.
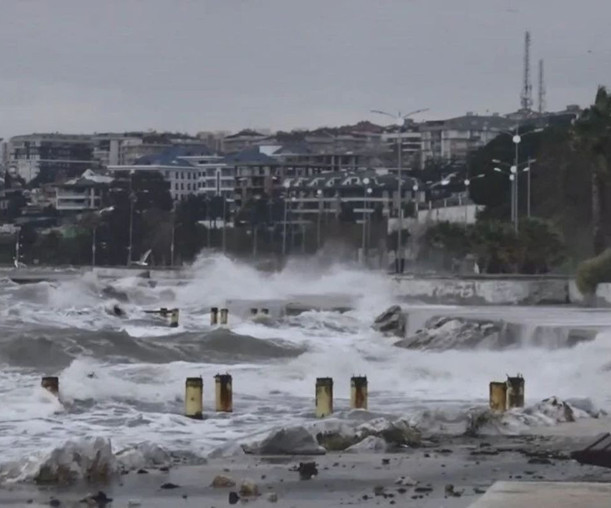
[[541, 88], [526, 97]]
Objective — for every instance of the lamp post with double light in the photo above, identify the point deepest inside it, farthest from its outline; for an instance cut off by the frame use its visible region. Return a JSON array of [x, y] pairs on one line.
[[400, 122], [366, 191]]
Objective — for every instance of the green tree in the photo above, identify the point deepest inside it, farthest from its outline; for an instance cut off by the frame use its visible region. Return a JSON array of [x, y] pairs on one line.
[[593, 139]]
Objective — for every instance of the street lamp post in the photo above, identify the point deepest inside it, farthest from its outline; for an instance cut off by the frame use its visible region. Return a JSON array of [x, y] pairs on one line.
[[99, 213], [132, 200], [286, 185], [400, 122], [366, 190], [516, 137], [527, 169], [319, 193]]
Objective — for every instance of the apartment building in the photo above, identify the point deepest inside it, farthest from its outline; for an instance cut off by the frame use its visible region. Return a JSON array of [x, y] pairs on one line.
[[50, 157], [453, 139], [177, 164]]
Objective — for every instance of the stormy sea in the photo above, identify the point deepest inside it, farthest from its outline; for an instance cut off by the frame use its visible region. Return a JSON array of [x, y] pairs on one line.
[[122, 370]]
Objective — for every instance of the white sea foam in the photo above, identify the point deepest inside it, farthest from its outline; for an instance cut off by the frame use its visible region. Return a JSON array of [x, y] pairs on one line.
[[137, 402]]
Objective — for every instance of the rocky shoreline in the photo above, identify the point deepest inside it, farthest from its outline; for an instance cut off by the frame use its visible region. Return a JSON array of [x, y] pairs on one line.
[[443, 471]]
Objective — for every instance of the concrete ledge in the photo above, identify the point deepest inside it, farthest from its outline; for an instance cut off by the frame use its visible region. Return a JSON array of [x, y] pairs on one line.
[[546, 495], [484, 291]]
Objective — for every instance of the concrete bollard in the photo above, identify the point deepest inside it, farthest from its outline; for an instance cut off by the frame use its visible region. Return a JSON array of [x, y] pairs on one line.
[[51, 384], [498, 396], [265, 312], [174, 313], [194, 397], [224, 316], [254, 311], [214, 316], [324, 396], [164, 312], [358, 392], [224, 393], [515, 391]]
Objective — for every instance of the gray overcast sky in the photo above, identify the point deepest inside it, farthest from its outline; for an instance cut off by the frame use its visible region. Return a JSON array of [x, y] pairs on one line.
[[115, 65]]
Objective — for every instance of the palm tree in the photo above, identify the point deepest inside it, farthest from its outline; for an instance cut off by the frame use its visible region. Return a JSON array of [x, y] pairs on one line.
[[593, 136]]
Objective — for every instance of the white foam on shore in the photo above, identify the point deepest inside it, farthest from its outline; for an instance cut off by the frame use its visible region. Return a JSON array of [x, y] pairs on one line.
[[135, 402]]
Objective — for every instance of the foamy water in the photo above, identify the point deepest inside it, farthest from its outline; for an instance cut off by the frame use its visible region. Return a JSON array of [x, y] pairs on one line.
[[123, 378]]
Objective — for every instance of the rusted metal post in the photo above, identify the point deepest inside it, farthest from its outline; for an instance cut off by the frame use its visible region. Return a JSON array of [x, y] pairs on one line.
[[324, 396], [174, 314], [194, 398], [224, 393], [214, 316], [515, 391], [358, 392], [265, 312], [224, 316], [498, 396], [51, 384]]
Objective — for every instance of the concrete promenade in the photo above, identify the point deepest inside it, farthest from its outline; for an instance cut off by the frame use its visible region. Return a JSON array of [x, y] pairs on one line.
[[546, 495]]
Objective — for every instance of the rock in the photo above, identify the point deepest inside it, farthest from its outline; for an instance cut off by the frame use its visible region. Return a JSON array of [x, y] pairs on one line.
[[423, 489], [272, 497], [249, 488], [143, 455], [477, 490], [99, 500], [55, 502], [132, 503], [378, 490], [556, 409], [385, 462], [441, 333], [371, 444], [335, 441], [290, 441], [222, 482], [539, 460], [169, 485], [85, 459], [233, 498], [142, 471], [398, 433], [391, 322], [307, 470], [406, 481]]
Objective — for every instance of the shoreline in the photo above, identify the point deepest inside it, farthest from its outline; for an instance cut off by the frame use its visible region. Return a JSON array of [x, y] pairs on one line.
[[450, 471]]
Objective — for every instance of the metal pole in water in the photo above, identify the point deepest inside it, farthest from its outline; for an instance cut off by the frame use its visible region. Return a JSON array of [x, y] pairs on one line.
[[498, 396], [358, 392], [224, 316], [515, 391], [214, 316], [224, 393], [324, 396], [194, 396], [174, 313], [51, 384]]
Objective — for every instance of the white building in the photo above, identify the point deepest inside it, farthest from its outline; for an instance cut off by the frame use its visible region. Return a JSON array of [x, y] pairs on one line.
[[181, 166], [82, 193]]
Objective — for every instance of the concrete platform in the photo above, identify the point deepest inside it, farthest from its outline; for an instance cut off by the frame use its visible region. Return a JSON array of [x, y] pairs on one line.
[[546, 495]]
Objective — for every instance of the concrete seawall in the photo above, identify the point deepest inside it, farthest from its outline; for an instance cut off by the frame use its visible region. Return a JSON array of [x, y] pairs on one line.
[[485, 291]]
